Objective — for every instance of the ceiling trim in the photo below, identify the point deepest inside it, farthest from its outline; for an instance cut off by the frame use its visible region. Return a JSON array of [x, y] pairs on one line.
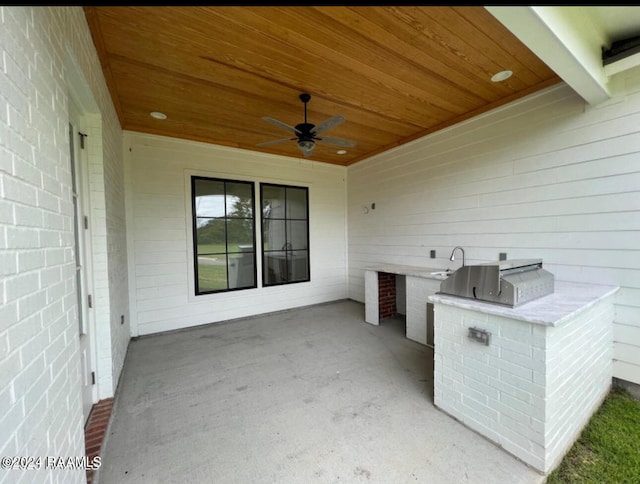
[[564, 40]]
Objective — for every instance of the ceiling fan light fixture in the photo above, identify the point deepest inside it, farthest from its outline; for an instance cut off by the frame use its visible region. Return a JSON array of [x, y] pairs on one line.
[[306, 145]]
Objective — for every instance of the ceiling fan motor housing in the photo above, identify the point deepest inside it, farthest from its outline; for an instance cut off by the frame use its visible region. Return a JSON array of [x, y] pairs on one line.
[[305, 129]]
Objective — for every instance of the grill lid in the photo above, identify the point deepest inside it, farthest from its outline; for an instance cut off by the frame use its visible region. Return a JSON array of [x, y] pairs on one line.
[[519, 264], [509, 282]]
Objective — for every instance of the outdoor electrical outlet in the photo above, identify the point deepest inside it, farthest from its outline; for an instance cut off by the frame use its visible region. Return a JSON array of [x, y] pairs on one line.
[[503, 256], [433, 254], [480, 335]]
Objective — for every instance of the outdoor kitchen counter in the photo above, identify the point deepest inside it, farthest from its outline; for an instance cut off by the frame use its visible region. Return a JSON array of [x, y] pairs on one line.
[[528, 377], [413, 286], [414, 271], [567, 301]]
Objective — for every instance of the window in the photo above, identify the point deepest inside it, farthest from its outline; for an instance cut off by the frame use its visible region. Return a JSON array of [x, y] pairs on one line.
[[223, 234], [285, 234]]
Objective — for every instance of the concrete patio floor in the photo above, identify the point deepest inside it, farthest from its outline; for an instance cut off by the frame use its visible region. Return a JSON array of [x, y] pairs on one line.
[[302, 396]]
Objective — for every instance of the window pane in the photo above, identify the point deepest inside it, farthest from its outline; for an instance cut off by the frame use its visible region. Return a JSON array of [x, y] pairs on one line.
[[297, 203], [274, 235], [240, 200], [224, 233], [239, 234], [298, 265], [209, 198], [212, 273], [297, 234], [241, 270], [211, 235], [273, 202], [274, 268], [285, 234]]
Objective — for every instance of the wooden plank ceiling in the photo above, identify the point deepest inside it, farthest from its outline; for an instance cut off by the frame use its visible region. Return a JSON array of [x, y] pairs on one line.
[[394, 73]]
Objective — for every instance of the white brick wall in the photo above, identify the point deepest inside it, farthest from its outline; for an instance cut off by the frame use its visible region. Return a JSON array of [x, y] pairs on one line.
[[40, 399], [546, 177], [534, 387], [39, 365], [576, 385]]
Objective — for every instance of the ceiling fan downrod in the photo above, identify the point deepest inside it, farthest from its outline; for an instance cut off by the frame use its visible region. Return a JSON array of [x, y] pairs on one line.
[[304, 97], [305, 142]]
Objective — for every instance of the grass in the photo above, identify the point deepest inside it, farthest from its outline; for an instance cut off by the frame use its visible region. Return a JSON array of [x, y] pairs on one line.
[[211, 249], [608, 450], [212, 277]]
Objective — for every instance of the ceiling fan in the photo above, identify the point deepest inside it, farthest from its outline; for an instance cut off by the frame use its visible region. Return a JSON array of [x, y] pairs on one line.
[[307, 133]]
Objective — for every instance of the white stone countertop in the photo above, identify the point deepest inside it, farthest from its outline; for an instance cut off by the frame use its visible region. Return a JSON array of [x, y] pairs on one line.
[[415, 271], [567, 300]]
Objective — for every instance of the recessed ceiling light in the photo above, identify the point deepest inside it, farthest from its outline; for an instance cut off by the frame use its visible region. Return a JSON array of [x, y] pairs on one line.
[[158, 115], [342, 152], [501, 76]]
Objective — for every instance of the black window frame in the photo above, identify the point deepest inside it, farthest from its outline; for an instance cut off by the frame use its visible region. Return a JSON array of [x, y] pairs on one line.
[[194, 219], [265, 283]]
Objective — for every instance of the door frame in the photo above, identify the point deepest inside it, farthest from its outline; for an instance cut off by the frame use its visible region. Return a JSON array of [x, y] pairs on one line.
[[86, 334]]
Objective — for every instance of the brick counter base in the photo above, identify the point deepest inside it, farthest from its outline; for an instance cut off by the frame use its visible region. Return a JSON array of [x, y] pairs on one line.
[[386, 295]]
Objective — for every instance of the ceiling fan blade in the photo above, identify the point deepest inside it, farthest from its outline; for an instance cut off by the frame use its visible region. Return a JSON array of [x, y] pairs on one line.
[[338, 141], [280, 124], [332, 122], [275, 141]]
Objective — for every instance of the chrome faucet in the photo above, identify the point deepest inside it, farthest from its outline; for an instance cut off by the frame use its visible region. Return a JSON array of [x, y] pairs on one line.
[[452, 258]]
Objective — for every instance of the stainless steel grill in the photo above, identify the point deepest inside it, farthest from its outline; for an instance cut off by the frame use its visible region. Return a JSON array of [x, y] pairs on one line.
[[511, 283]]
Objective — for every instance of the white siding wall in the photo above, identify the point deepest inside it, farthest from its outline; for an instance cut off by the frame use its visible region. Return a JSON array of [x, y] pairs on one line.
[[160, 243], [546, 177], [40, 399]]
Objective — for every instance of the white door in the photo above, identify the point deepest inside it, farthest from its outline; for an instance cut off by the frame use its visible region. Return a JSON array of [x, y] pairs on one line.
[[78, 151]]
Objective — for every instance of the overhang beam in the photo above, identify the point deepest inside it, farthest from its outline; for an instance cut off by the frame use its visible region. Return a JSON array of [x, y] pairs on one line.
[[566, 39]]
